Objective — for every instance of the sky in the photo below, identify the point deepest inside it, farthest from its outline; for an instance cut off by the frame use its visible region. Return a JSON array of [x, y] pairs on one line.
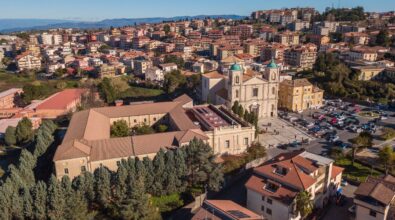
[[94, 10]]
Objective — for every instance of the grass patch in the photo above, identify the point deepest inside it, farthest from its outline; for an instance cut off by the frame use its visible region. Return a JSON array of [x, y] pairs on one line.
[[357, 172], [368, 114], [134, 91], [168, 203]]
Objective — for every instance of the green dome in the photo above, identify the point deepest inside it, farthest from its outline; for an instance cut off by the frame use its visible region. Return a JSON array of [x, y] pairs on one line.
[[235, 67], [272, 64]]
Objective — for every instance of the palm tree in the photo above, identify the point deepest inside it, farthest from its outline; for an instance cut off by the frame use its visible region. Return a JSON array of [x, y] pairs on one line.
[[304, 204]]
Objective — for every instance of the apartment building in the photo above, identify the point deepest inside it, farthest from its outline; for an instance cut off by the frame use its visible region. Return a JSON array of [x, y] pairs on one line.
[[228, 50], [273, 51], [154, 74], [88, 145], [298, 95], [141, 66], [374, 199], [362, 53], [368, 72], [287, 38], [26, 61], [301, 56], [168, 67], [244, 31], [272, 188], [106, 70], [356, 38], [9, 98]]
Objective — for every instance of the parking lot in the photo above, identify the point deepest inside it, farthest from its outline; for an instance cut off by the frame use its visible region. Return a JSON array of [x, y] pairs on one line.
[[337, 122]]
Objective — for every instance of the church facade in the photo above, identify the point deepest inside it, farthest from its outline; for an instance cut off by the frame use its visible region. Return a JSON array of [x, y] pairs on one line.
[[255, 91]]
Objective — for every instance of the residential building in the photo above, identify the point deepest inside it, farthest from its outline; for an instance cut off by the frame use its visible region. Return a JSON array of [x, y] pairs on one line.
[[154, 74], [255, 92], [106, 70], [298, 95], [374, 198], [168, 67], [287, 38], [88, 145], [302, 56], [368, 72], [26, 61], [272, 188], [141, 66], [244, 31], [362, 53]]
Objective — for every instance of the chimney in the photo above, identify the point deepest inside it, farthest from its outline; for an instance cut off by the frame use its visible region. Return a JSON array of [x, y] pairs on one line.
[[118, 103]]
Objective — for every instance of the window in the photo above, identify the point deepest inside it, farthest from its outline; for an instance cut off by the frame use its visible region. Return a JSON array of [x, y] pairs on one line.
[[372, 213], [245, 141], [118, 163], [154, 119], [263, 208], [145, 120], [269, 201], [255, 92], [66, 171], [263, 198], [237, 93], [227, 144], [273, 90], [135, 121], [237, 79], [83, 168], [269, 211]]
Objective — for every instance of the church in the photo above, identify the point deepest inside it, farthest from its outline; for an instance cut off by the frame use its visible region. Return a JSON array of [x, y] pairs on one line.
[[255, 91]]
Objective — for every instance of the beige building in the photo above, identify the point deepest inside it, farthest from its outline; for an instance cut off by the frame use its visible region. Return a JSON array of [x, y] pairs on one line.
[[88, 145], [272, 188], [256, 92], [299, 95], [26, 61], [367, 72], [301, 56], [374, 199], [9, 97], [362, 53], [287, 38]]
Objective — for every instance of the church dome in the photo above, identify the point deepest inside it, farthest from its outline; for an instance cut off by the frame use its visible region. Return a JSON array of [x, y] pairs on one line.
[[235, 67], [272, 64]]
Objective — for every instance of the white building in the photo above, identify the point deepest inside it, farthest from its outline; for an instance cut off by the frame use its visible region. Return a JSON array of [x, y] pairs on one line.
[[154, 74]]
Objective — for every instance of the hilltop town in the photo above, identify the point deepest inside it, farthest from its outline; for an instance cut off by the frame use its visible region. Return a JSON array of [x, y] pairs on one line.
[[284, 114]]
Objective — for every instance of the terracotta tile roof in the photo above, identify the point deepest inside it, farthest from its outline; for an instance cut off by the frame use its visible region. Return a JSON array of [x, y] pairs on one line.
[[89, 132], [336, 171], [213, 75], [284, 194], [224, 209], [62, 99], [296, 168], [378, 189]]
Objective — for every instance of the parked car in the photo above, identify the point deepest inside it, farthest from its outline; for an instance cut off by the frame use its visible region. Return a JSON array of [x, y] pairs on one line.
[[352, 209]]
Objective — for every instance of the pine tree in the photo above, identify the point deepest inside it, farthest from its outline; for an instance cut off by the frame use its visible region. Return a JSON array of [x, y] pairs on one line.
[[141, 171], [6, 194], [9, 136], [27, 162], [102, 186], [56, 205], [39, 196], [76, 205]]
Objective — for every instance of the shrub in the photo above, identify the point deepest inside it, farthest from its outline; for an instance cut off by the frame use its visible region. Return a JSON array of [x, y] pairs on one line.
[[168, 202], [388, 133]]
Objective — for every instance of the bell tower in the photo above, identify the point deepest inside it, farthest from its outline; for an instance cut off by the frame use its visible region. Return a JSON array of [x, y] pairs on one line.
[[235, 82]]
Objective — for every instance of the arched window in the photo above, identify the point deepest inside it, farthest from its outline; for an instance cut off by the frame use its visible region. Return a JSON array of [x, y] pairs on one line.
[[273, 90], [237, 93], [237, 79], [273, 76]]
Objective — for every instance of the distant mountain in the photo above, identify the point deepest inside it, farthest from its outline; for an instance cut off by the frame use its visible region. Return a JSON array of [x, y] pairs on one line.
[[13, 25]]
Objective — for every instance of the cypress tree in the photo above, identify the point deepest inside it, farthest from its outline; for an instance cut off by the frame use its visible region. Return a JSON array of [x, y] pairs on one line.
[[56, 205], [159, 167], [149, 178], [141, 172], [181, 169], [27, 201], [76, 205], [102, 186], [170, 173], [39, 196], [6, 194]]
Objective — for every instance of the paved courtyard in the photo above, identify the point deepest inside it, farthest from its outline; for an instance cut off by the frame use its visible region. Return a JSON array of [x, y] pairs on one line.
[[277, 131]]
